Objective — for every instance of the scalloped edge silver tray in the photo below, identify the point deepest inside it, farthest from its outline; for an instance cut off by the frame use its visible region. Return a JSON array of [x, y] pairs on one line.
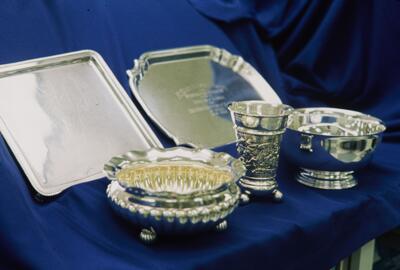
[[64, 116], [166, 119]]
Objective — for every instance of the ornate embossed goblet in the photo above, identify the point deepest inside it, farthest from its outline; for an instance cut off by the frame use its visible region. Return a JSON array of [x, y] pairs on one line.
[[259, 127]]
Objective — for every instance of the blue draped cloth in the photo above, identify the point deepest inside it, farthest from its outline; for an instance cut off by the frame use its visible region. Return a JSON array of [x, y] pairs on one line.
[[314, 53]]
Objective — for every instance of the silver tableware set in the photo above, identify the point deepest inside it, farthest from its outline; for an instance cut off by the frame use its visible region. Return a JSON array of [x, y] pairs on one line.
[[200, 96]]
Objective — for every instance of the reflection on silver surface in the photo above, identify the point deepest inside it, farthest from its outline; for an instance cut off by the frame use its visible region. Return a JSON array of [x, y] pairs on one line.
[[329, 144], [186, 92], [64, 116], [259, 127], [176, 190]]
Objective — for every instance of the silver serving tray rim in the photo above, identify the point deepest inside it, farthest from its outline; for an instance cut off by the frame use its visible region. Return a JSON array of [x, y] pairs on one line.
[[61, 59], [221, 56]]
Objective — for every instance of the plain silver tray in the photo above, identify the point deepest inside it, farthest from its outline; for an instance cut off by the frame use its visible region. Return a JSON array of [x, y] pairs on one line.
[[64, 116], [185, 91]]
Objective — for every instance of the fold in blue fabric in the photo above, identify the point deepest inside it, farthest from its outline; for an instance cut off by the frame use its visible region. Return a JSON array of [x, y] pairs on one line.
[[314, 53], [336, 53]]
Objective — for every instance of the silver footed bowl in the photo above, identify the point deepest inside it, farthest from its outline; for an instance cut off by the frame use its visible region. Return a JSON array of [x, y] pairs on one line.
[[329, 144], [174, 191]]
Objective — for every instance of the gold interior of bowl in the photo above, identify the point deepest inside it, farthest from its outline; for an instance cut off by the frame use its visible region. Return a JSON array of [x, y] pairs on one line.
[[335, 122], [178, 178]]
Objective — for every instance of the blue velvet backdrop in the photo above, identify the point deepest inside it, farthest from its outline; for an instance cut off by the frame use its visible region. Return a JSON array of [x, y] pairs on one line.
[[334, 53]]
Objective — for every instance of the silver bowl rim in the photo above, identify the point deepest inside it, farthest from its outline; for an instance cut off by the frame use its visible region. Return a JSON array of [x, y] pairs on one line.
[[218, 160], [365, 117]]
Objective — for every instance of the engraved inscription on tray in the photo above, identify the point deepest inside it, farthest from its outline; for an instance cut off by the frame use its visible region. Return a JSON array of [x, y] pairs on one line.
[[194, 104], [214, 98], [204, 100]]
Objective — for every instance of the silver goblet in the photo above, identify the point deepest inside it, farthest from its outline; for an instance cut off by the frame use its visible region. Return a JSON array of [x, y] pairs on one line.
[[259, 127]]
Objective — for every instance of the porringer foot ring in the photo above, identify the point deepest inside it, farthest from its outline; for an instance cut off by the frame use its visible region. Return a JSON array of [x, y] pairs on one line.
[[148, 235], [327, 179]]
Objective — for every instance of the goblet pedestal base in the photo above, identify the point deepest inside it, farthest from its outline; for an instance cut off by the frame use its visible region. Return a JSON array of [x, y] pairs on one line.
[[261, 187]]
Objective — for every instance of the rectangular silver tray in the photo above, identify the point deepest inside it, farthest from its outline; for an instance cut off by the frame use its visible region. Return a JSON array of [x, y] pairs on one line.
[[185, 91], [65, 116]]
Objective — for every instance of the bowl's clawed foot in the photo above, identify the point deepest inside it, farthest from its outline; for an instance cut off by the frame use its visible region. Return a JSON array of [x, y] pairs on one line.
[[277, 195], [148, 235], [244, 199], [222, 226], [274, 195]]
